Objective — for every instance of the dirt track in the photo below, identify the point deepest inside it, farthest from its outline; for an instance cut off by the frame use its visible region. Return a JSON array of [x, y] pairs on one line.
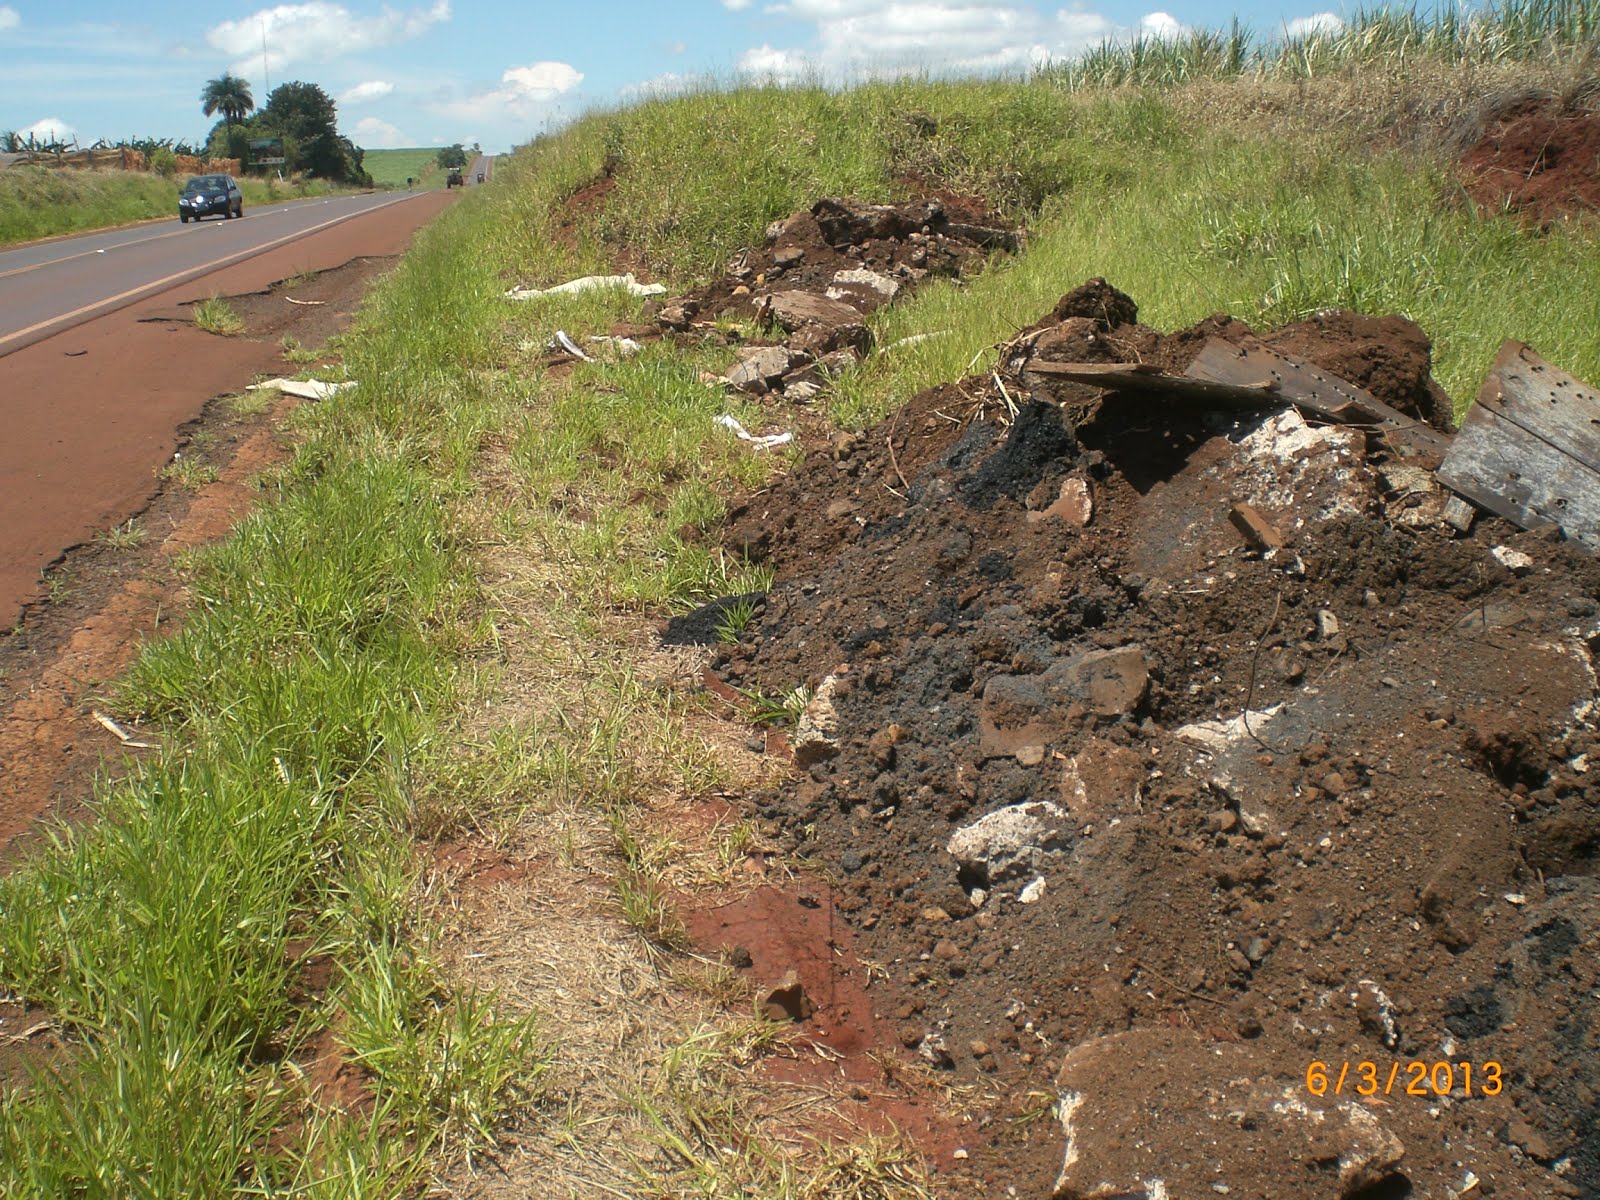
[[92, 414]]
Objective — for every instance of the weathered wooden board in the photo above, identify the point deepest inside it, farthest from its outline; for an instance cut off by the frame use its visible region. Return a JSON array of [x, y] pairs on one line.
[[1141, 377], [1529, 449], [1314, 390]]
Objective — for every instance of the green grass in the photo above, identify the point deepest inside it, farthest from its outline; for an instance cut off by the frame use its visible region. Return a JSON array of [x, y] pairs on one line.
[[391, 168], [38, 202], [216, 315]]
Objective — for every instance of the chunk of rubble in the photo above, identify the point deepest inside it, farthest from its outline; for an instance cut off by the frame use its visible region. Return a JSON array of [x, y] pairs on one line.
[[759, 368], [1010, 842], [862, 289], [1150, 1113], [816, 735], [1220, 735]]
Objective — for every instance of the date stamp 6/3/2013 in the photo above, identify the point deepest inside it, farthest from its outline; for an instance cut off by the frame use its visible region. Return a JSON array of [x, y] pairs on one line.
[[1415, 1078]]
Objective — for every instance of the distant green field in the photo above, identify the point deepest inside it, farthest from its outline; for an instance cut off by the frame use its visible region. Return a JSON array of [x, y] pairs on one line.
[[391, 168]]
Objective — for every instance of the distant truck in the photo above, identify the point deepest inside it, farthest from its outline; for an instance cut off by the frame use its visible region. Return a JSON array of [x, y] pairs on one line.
[[454, 178]]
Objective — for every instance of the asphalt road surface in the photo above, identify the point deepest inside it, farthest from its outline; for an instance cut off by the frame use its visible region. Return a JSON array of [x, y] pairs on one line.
[[48, 286], [92, 396]]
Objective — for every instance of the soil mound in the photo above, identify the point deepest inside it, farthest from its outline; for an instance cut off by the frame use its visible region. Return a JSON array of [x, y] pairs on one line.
[[1539, 161], [1142, 817]]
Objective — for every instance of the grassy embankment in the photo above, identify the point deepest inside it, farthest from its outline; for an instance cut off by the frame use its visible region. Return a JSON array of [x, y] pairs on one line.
[[430, 629], [38, 202], [391, 168]]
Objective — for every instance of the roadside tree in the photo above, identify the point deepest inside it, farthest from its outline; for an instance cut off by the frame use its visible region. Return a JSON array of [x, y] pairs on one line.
[[229, 95]]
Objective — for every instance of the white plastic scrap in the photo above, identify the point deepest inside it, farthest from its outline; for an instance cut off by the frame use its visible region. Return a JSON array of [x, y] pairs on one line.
[[760, 443], [306, 389], [590, 283], [571, 347]]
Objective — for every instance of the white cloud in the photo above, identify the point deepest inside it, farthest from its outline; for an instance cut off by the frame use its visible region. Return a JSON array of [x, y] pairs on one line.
[[877, 37], [1162, 27], [1318, 23], [521, 92], [49, 129], [318, 31], [10, 18], [371, 89], [668, 83], [736, 5], [373, 134], [785, 66]]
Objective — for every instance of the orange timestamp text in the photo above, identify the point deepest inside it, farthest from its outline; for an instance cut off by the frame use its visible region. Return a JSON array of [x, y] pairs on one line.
[[1415, 1078]]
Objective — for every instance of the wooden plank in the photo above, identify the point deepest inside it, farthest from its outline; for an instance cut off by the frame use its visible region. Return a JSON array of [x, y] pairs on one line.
[[1529, 449], [1316, 391], [1141, 377]]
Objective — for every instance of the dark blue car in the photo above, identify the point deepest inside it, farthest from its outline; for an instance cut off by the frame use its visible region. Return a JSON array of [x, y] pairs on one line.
[[207, 194]]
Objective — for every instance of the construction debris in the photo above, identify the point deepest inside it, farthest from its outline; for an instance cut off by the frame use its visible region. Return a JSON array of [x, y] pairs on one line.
[[1529, 449]]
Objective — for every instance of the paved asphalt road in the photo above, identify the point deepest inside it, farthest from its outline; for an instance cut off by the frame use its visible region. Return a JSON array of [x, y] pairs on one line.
[[91, 403], [49, 286]]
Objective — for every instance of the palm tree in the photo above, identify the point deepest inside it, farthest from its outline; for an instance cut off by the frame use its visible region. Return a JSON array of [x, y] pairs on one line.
[[229, 95]]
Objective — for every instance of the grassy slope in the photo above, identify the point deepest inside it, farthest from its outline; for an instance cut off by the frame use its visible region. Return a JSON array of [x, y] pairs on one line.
[[310, 700], [38, 202], [391, 168]]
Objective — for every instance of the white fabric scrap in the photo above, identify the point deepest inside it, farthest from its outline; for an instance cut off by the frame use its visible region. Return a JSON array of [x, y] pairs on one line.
[[306, 389], [760, 443], [590, 283]]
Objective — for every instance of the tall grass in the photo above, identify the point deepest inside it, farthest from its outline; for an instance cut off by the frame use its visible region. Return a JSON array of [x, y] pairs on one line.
[[1387, 36]]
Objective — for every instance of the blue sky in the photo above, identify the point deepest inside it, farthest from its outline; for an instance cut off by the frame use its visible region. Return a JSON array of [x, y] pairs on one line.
[[432, 72]]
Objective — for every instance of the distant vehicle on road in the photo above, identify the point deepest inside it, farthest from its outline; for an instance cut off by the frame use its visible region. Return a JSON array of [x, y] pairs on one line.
[[206, 194], [454, 179]]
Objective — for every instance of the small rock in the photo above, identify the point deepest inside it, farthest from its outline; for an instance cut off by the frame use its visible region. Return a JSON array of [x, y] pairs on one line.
[[788, 1000], [852, 861], [1033, 892], [1514, 561], [1074, 504], [1327, 624], [1333, 783], [1030, 756], [945, 950], [788, 256]]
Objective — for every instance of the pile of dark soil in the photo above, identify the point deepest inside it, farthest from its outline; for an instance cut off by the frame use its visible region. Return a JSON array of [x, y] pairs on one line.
[[1148, 822], [1537, 160]]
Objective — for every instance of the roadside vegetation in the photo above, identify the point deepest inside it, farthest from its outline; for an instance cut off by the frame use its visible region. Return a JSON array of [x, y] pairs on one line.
[[430, 631], [391, 168], [37, 202]]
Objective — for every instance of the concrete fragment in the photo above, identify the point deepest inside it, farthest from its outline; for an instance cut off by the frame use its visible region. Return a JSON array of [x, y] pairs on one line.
[[862, 288], [759, 368], [816, 735], [1218, 736], [1514, 561], [1009, 842]]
